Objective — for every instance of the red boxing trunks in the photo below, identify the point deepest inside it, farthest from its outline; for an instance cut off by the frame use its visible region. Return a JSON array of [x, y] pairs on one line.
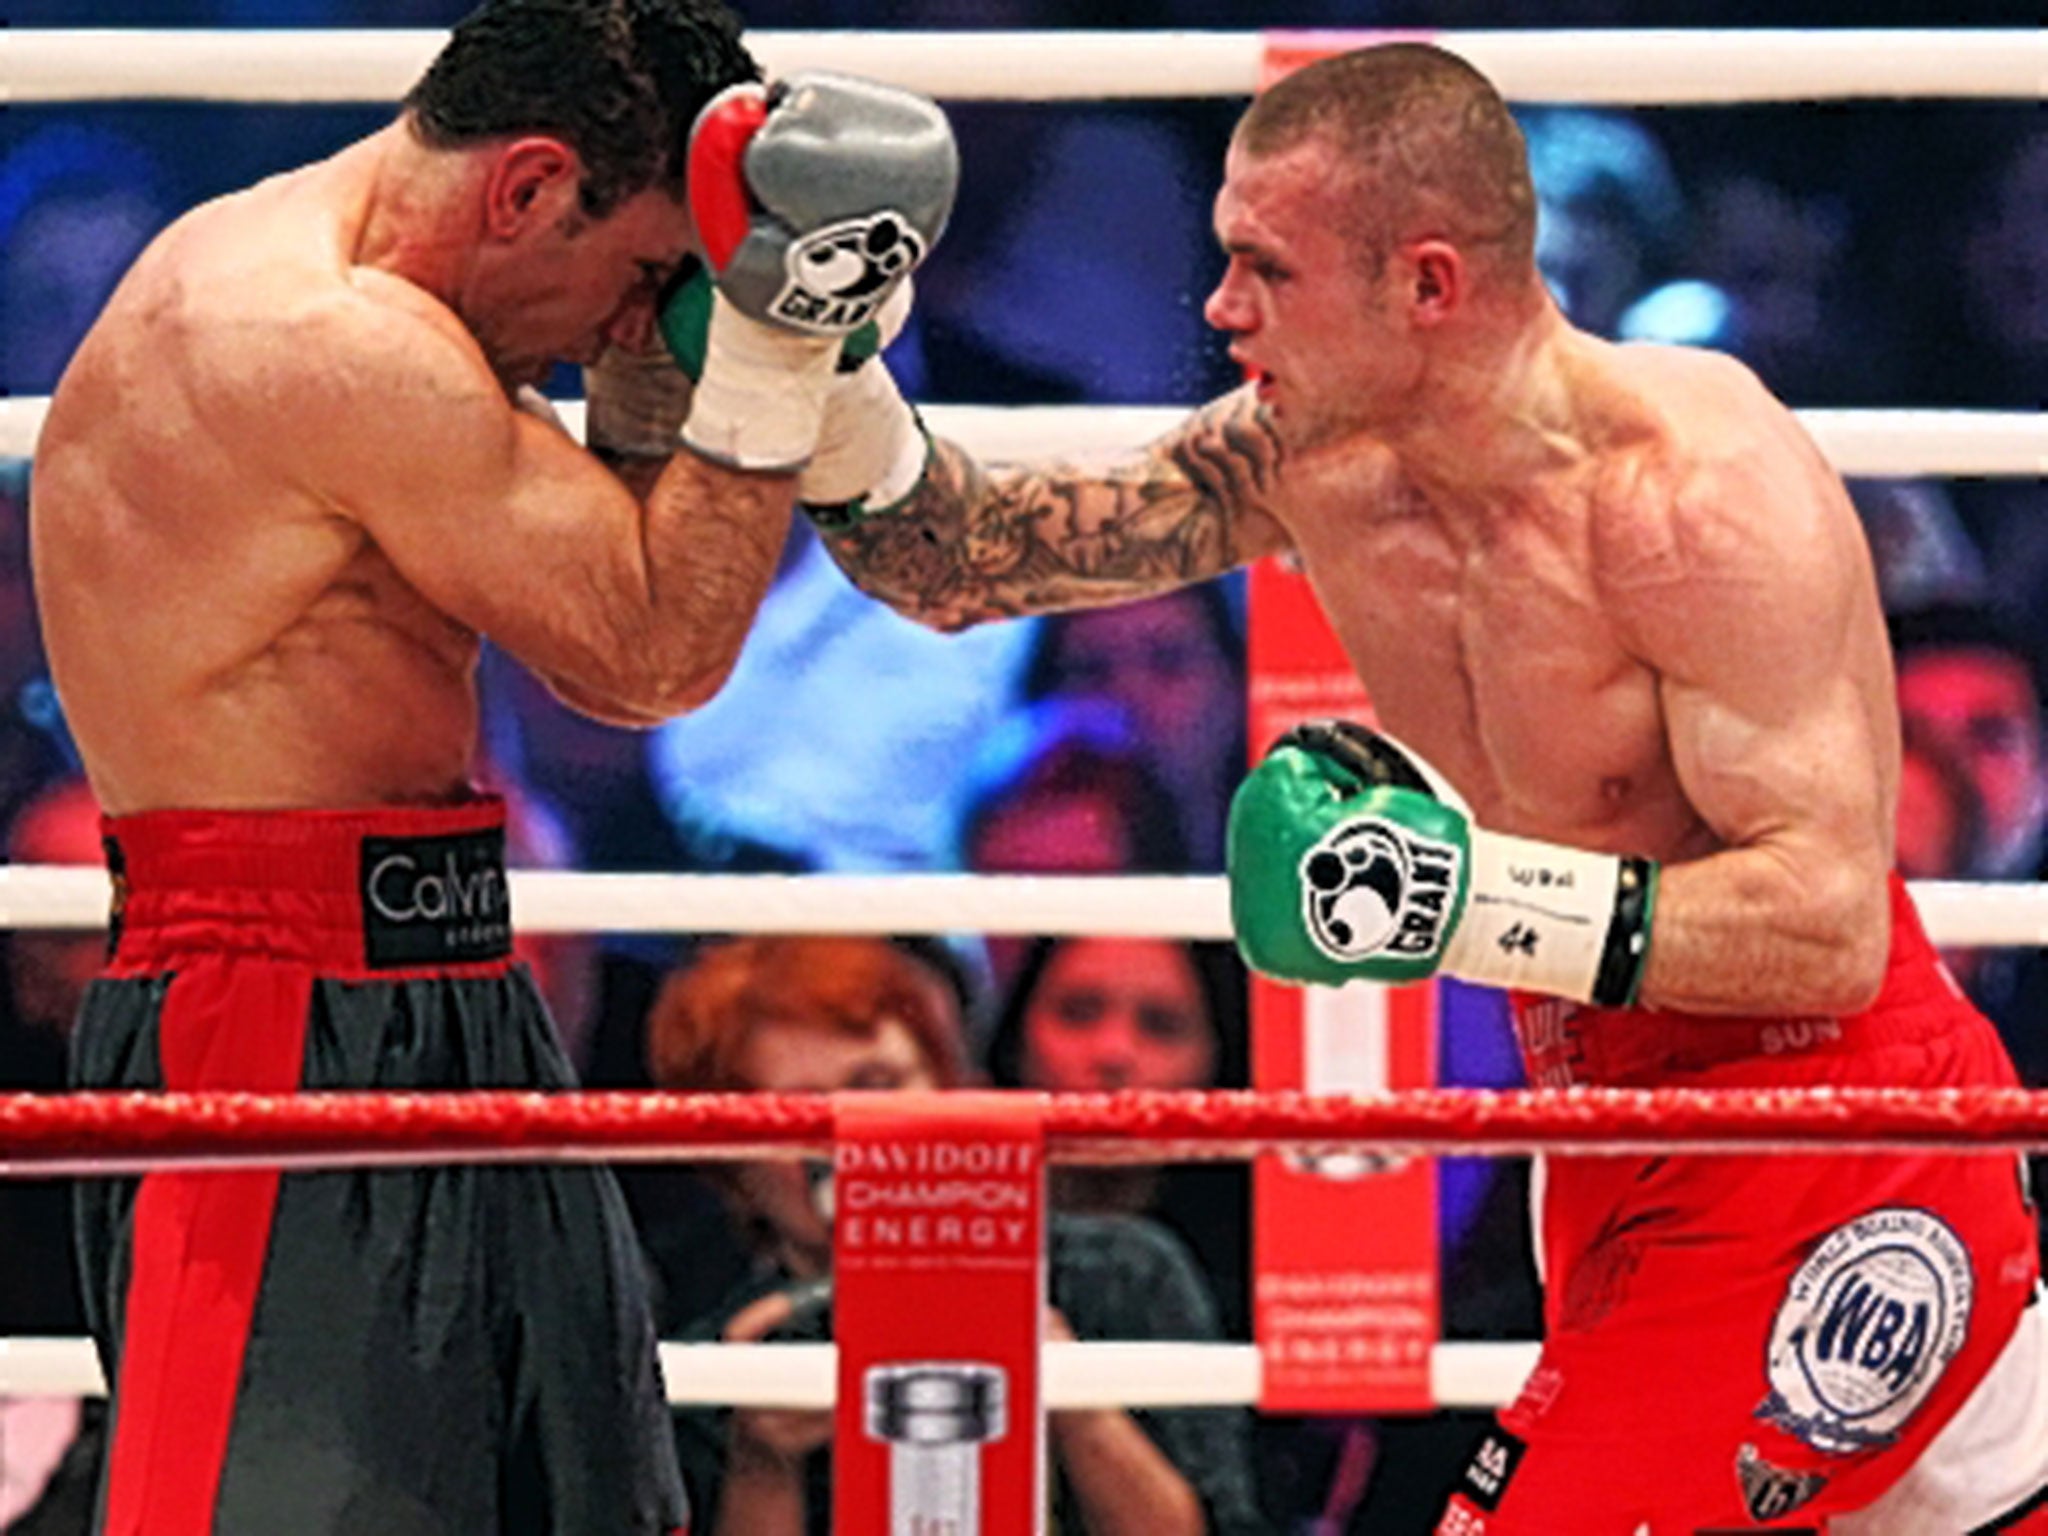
[[405, 1352], [1755, 1342]]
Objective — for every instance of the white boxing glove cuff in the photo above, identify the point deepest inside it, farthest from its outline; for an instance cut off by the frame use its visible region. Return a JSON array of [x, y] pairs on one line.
[[872, 449], [761, 402], [1564, 921]]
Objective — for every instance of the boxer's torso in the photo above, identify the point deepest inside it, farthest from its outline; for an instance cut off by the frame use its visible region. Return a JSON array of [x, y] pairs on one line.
[[1484, 635], [220, 635]]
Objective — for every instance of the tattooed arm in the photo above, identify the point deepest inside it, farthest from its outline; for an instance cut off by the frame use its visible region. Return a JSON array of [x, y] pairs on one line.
[[973, 544]]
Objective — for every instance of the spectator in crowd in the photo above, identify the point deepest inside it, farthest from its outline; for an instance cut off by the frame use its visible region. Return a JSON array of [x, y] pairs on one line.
[[35, 749], [1972, 802], [1174, 665], [49, 1446], [1985, 320], [1940, 821], [1611, 220], [1967, 690], [1063, 789], [2005, 282], [49, 970], [807, 1014], [49, 1458], [1969, 700], [1098, 1015], [1924, 555], [2008, 518], [47, 973], [77, 205], [1798, 312]]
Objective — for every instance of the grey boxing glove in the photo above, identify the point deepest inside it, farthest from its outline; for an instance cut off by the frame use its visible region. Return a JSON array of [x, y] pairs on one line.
[[814, 200]]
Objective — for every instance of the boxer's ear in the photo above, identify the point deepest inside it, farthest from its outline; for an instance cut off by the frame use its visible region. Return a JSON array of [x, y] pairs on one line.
[[1436, 282], [532, 183]]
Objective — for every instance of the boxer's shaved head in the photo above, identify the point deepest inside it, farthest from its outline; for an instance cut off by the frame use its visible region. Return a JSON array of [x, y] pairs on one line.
[[1425, 146]]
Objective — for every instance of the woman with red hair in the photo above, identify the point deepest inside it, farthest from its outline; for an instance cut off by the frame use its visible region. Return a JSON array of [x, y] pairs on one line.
[[798, 1014]]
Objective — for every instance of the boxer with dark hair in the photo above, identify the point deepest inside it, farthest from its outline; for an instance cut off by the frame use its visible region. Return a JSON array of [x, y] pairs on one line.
[[291, 478]]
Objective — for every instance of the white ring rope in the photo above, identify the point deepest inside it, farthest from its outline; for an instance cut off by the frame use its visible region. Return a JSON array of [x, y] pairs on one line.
[[1118, 1375], [1619, 67], [1139, 906], [1857, 442]]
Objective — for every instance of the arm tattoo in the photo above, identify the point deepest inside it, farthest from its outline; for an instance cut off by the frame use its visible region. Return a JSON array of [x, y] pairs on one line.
[[974, 543]]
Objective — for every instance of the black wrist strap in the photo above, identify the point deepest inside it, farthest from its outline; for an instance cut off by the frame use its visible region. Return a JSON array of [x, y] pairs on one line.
[[1626, 954]]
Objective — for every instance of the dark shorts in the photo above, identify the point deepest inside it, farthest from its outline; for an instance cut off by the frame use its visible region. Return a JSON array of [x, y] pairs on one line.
[[442, 1350]]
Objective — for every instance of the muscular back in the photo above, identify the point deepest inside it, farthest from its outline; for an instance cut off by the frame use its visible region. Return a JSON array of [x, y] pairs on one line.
[[219, 634]]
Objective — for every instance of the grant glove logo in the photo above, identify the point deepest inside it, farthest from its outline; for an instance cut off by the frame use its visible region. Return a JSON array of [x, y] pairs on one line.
[[1372, 887], [838, 276], [435, 900]]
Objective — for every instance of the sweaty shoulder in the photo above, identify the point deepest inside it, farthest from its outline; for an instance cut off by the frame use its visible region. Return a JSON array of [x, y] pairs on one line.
[[248, 314], [316, 368], [1705, 472]]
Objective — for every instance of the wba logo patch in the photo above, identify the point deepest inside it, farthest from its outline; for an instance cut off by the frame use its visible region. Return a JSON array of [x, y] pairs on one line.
[[838, 276], [1371, 887], [1866, 1328]]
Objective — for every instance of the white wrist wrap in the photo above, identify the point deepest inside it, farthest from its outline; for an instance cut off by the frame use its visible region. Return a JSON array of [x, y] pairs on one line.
[[636, 402], [761, 402], [1538, 917], [872, 448]]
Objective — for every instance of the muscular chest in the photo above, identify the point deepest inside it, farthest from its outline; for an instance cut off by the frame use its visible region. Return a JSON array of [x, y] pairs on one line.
[[1494, 660]]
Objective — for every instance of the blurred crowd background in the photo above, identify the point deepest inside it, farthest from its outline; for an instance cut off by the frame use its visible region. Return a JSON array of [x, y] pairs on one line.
[[1863, 254]]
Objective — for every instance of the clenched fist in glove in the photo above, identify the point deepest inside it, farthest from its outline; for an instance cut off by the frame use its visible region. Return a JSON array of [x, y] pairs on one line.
[[1351, 858], [814, 200]]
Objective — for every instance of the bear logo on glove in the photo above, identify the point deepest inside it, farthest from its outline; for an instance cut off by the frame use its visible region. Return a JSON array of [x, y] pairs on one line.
[[839, 275], [1369, 887]]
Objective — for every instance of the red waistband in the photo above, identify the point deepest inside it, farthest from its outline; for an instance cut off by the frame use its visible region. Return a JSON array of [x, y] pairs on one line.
[[379, 890], [1564, 1043]]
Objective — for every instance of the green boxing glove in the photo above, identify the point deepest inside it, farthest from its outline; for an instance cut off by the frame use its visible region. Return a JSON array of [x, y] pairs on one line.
[[1351, 859]]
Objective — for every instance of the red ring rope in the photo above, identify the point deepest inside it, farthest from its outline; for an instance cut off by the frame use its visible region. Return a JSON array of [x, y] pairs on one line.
[[116, 1132]]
